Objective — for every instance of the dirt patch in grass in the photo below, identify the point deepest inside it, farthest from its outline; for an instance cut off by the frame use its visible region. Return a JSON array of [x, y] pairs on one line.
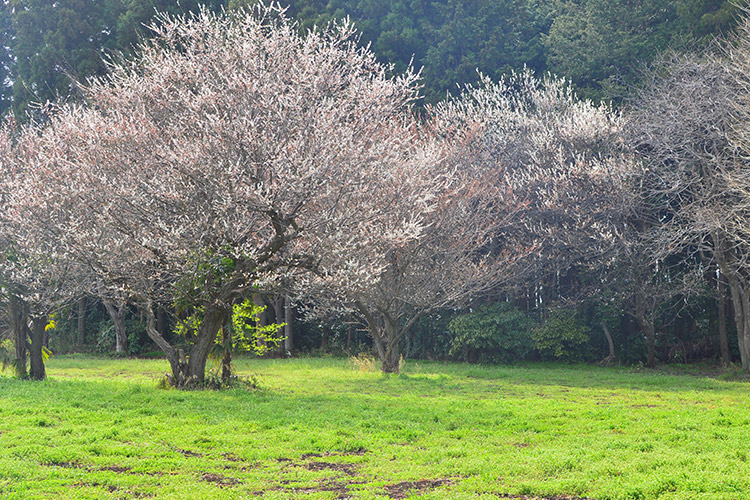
[[120, 469], [107, 487], [346, 468], [188, 453], [357, 452], [407, 488], [112, 489], [318, 466], [64, 465], [339, 488], [219, 480]]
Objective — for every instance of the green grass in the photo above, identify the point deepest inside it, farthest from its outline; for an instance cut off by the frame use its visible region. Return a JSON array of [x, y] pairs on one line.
[[99, 428]]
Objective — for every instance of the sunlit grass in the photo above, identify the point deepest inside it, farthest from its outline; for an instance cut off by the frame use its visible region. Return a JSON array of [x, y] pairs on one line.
[[319, 428]]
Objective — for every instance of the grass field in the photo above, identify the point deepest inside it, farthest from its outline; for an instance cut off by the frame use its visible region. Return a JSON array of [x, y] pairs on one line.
[[318, 428]]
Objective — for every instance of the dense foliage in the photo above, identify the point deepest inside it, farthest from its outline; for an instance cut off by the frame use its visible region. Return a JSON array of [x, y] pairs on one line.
[[494, 333], [598, 44]]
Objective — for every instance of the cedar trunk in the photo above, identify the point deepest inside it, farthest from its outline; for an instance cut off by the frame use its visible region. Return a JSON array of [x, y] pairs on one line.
[[81, 316], [646, 326], [721, 305], [289, 327], [36, 354], [17, 318]]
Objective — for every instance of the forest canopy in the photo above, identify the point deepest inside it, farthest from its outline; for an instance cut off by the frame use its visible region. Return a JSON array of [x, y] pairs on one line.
[[598, 44]]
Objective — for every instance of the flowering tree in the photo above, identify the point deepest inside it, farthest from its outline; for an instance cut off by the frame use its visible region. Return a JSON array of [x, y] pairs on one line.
[[35, 279], [229, 154], [527, 175]]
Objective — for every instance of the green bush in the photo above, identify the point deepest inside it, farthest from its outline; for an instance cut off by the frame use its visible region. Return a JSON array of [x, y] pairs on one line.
[[494, 333], [561, 336]]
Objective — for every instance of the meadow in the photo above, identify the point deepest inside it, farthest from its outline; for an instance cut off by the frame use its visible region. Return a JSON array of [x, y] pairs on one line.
[[322, 428]]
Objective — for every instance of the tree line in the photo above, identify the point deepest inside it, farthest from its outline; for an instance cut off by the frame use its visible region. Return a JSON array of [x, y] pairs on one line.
[[597, 44], [236, 157]]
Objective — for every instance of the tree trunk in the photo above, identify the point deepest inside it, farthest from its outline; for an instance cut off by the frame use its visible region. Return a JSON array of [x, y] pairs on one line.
[[118, 318], [189, 371], [744, 344], [392, 358], [721, 304], [226, 360], [278, 318], [17, 319], [379, 347], [176, 357], [81, 316], [36, 354], [213, 321], [161, 322], [611, 358], [289, 327], [646, 326], [392, 337], [324, 340], [740, 317], [740, 300], [262, 320]]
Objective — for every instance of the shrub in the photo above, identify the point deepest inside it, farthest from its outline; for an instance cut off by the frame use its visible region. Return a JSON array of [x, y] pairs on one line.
[[494, 333], [561, 336]]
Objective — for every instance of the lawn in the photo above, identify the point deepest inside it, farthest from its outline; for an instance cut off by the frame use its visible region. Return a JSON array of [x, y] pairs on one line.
[[319, 428]]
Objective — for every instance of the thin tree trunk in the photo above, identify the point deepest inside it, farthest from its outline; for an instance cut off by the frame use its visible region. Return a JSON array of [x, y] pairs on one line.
[[262, 319], [744, 344], [18, 330], [118, 318], [324, 340], [226, 360], [36, 354], [646, 326], [721, 304], [289, 327], [176, 358], [611, 358], [81, 316], [278, 318]]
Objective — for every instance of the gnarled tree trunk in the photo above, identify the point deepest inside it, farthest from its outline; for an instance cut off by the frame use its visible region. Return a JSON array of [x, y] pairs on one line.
[[118, 318], [213, 321], [189, 371]]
